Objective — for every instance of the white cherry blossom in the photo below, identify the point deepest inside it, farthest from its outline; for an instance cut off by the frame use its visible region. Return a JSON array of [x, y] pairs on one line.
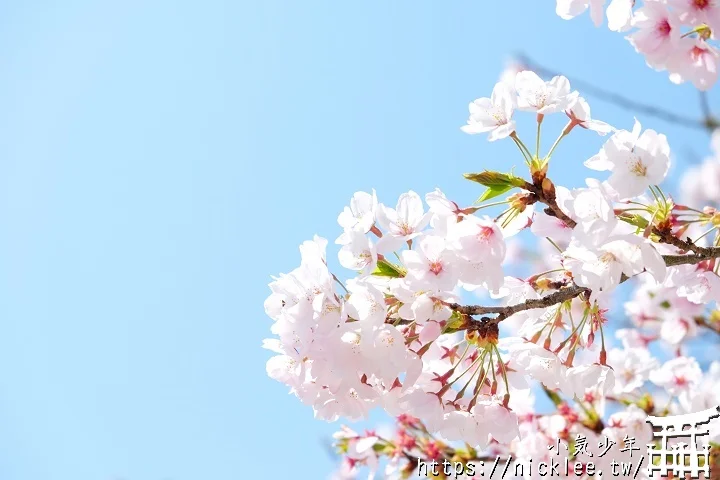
[[619, 15], [632, 366], [568, 9], [579, 113], [494, 114], [636, 160], [402, 223], [678, 375], [537, 95], [360, 215]]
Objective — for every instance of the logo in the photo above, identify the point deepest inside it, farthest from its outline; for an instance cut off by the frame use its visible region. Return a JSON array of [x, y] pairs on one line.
[[683, 457]]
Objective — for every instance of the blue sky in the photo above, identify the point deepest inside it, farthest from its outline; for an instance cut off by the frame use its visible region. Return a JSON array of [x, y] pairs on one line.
[[160, 160]]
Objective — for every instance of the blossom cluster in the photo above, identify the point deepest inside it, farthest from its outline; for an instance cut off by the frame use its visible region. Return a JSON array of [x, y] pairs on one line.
[[672, 35], [575, 432], [397, 336]]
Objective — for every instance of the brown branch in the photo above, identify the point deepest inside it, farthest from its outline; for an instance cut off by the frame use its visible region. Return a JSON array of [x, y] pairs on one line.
[[666, 236], [550, 201], [560, 296], [546, 196], [674, 260], [543, 188], [708, 323]]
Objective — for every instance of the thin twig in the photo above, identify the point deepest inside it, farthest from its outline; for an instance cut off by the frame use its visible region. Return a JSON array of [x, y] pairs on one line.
[[560, 296], [699, 254]]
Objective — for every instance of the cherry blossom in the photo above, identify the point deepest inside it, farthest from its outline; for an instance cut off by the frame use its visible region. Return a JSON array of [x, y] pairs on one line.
[[677, 375], [673, 35], [493, 114], [360, 215], [694, 60], [444, 322], [632, 367], [657, 33], [402, 223], [534, 94], [568, 9], [619, 14], [358, 253], [697, 12], [432, 264], [636, 160], [579, 113], [584, 377], [602, 268]]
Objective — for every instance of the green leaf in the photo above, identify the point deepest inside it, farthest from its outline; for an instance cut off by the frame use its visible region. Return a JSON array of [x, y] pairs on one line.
[[634, 220], [493, 192], [497, 183], [387, 269], [554, 397], [490, 179], [454, 322]]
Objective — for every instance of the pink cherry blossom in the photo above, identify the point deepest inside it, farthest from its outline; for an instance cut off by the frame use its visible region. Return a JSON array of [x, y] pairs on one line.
[[658, 33], [694, 60]]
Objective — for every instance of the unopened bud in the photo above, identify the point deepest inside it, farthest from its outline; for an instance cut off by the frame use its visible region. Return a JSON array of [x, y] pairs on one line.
[[538, 174], [520, 201], [548, 189], [544, 283], [647, 404], [492, 333], [704, 32], [570, 358], [716, 219]]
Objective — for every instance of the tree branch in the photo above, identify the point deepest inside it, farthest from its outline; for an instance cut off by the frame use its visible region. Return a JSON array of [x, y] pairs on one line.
[[550, 201], [560, 296], [708, 323], [699, 254], [665, 236]]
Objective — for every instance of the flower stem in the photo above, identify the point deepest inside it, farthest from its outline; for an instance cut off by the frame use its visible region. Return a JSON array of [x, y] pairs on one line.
[[554, 145], [503, 370], [340, 283], [537, 139], [522, 147], [705, 234], [554, 244]]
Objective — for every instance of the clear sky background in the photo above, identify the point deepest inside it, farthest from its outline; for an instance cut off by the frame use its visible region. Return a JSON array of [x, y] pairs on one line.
[[159, 160]]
